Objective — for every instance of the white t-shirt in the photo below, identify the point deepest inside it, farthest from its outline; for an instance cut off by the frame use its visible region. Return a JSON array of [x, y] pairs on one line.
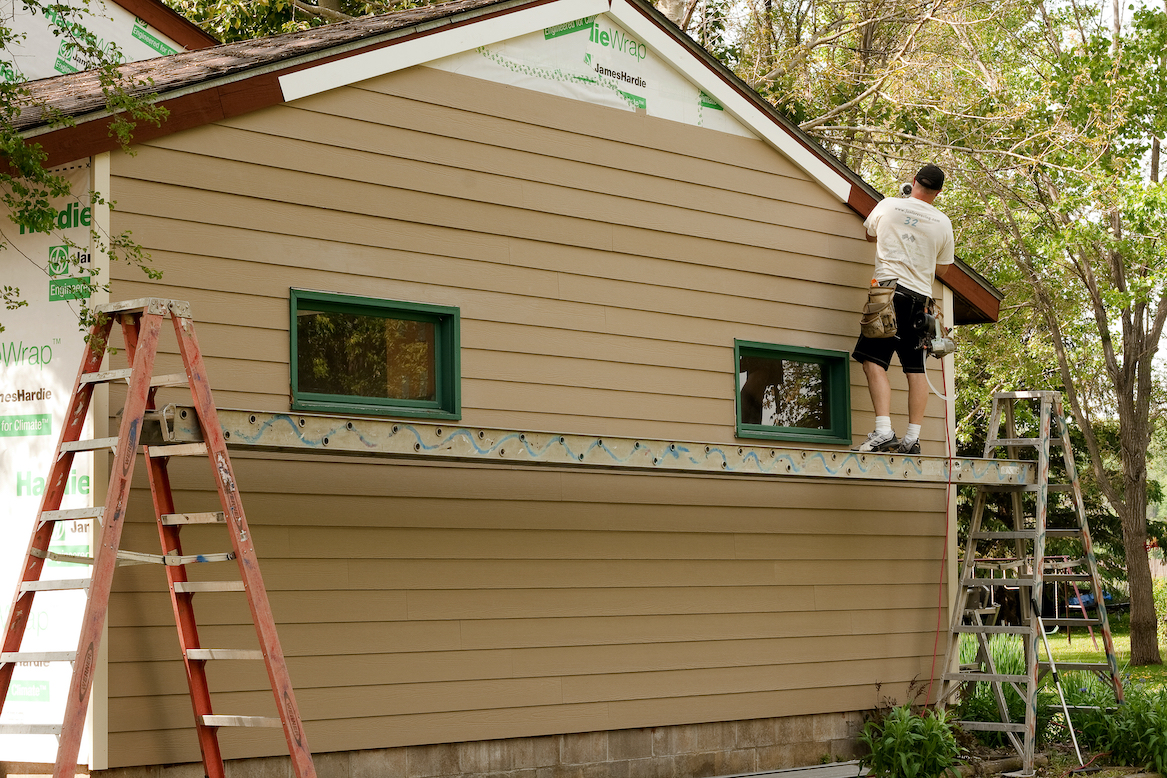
[[912, 238]]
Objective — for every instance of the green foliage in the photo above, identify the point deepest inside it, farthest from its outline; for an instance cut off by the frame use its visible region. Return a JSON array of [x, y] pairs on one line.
[[235, 20], [906, 744], [27, 189], [1135, 733]]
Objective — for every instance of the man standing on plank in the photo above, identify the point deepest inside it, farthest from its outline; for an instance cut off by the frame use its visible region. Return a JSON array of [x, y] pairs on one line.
[[913, 245]]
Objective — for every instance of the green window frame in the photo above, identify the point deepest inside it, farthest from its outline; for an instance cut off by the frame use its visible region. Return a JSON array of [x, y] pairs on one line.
[[446, 396], [827, 422]]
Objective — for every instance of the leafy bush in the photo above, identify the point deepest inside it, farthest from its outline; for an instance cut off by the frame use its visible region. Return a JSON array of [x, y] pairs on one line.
[[1135, 733], [905, 744]]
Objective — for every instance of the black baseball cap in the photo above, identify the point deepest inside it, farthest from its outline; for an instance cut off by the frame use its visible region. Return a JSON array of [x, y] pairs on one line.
[[931, 177]]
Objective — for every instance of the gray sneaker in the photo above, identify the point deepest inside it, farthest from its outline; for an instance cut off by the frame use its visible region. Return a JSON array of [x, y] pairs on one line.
[[876, 441], [909, 447]]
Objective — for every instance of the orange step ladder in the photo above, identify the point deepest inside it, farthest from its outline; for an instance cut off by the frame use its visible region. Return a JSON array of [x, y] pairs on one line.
[[142, 321]]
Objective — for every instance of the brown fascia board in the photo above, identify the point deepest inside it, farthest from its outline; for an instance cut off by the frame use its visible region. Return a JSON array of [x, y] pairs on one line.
[[171, 23]]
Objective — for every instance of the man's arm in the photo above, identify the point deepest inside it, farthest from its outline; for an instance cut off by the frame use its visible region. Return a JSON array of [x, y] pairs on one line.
[[942, 270], [872, 239]]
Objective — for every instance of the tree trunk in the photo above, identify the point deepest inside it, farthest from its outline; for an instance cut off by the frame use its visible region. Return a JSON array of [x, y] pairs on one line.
[[1133, 514], [673, 9]]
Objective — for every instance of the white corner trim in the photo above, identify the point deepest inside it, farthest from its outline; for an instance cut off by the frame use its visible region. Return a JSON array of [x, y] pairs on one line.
[[442, 43], [673, 52]]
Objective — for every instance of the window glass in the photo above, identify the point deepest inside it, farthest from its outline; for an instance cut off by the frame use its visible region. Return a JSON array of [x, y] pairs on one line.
[[779, 392], [792, 393], [366, 356], [371, 355]]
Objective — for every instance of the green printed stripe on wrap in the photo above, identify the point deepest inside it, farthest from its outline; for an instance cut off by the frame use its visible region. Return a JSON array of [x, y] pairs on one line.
[[579, 25]]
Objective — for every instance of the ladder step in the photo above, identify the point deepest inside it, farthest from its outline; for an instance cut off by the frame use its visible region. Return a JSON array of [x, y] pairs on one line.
[[1029, 534], [985, 677], [59, 585], [1026, 487], [987, 630], [135, 557], [173, 379], [72, 514], [106, 376], [1072, 622], [1079, 667], [175, 519], [1066, 577], [178, 450], [88, 445], [990, 726], [31, 729], [241, 721], [223, 653], [1010, 582], [37, 656], [208, 586], [1016, 442]]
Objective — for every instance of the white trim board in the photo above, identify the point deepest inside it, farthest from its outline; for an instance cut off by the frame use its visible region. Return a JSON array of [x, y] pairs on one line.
[[361, 67]]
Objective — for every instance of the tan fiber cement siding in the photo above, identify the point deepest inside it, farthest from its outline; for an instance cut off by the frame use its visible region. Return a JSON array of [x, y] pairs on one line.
[[603, 263]]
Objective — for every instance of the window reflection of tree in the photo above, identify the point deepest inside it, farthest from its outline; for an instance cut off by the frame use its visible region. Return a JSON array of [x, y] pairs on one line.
[[783, 393], [366, 356]]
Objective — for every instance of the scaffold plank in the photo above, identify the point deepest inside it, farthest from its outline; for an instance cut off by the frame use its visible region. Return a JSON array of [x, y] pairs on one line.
[[360, 436]]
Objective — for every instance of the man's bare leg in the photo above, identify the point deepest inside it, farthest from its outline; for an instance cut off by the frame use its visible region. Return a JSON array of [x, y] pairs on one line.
[[879, 387], [917, 397]]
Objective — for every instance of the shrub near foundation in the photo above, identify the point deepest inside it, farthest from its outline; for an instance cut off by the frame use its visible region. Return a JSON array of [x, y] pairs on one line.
[[1135, 734], [905, 744]]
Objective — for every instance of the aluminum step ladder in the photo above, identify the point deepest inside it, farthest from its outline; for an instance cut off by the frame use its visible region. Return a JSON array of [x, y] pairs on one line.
[[142, 322], [1026, 570]]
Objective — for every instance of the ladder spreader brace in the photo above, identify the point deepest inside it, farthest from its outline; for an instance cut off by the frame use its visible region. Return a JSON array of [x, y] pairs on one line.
[[1028, 570], [141, 322]]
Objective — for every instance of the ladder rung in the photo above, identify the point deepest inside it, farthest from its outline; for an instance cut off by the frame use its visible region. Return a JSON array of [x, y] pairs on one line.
[[223, 653], [31, 729], [1017, 442], [106, 376], [173, 379], [1011, 582], [1062, 533], [994, 630], [1072, 622], [58, 585], [1024, 487], [88, 445], [1028, 534], [178, 450], [1078, 667], [990, 726], [241, 721], [38, 656], [135, 557], [985, 677], [175, 519], [208, 586], [72, 514], [1066, 577]]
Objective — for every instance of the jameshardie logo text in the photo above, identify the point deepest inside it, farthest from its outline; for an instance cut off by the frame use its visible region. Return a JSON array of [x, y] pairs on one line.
[[61, 264]]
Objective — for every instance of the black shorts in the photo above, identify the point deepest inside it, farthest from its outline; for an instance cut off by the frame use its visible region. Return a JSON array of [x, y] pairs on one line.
[[908, 340]]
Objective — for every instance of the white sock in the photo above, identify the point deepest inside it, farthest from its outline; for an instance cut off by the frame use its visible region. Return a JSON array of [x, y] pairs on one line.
[[883, 425], [913, 433]]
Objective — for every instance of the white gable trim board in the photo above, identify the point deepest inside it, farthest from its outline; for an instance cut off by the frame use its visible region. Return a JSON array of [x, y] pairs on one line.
[[520, 61]]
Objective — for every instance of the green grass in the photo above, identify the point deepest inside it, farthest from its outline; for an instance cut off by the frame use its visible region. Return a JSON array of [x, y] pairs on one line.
[[1080, 648]]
